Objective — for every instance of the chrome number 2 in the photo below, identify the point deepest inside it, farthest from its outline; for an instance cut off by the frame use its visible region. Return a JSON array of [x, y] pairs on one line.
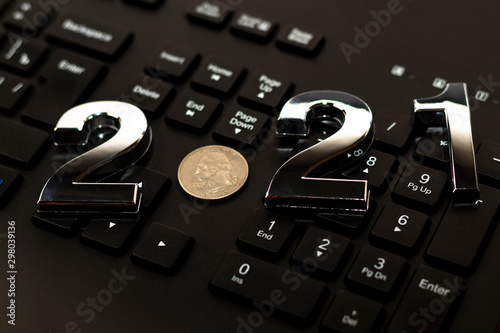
[[291, 186], [79, 185]]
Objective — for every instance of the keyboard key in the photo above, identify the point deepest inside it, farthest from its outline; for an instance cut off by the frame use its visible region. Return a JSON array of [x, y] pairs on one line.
[[241, 126], [65, 226], [376, 271], [111, 235], [266, 91], [266, 233], [154, 184], [348, 223], [99, 38], [9, 182], [21, 145], [352, 313], [218, 77], [30, 17], [299, 40], [12, 91], [376, 167], [162, 248], [400, 228], [421, 186], [322, 252], [393, 130], [463, 232], [150, 95], [286, 292], [172, 63], [434, 147], [22, 55], [69, 78], [209, 13], [429, 300], [488, 163], [194, 112], [253, 27]]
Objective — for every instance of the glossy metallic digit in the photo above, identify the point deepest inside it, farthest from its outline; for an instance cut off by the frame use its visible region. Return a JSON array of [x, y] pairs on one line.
[[291, 187], [70, 189], [451, 109]]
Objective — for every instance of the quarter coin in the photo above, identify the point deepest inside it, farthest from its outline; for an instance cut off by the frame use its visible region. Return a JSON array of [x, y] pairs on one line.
[[213, 172]]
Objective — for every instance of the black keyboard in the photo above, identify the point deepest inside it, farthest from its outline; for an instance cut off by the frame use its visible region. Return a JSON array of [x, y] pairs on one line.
[[381, 117]]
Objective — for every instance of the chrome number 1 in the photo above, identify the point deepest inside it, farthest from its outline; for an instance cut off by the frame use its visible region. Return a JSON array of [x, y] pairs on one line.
[[451, 109], [79, 185], [291, 186]]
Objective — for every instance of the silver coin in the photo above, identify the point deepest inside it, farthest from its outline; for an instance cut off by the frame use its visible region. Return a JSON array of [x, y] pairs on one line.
[[213, 172]]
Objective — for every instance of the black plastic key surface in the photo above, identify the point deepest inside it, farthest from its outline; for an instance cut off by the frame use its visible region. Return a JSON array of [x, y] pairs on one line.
[[12, 91], [399, 228], [421, 186], [428, 302], [149, 94], [283, 292], [194, 112], [253, 27], [265, 91], [393, 130], [101, 38], [433, 147], [30, 17], [377, 271], [21, 145], [64, 226], [376, 167], [22, 55], [463, 232], [266, 232], [299, 40], [111, 235], [322, 252], [209, 13], [241, 126], [218, 77], [488, 163], [352, 313], [10, 180], [154, 184], [172, 62], [162, 248], [69, 77]]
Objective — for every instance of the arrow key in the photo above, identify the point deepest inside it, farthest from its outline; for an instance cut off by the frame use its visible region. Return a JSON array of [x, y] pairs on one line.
[[321, 252], [162, 248], [110, 235], [399, 228], [376, 168]]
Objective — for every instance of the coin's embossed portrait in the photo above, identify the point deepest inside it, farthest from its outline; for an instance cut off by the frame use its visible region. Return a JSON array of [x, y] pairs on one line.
[[214, 172]]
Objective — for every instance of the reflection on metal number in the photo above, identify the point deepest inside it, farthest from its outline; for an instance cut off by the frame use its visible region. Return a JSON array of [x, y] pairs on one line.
[[292, 186], [451, 109], [79, 185]]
